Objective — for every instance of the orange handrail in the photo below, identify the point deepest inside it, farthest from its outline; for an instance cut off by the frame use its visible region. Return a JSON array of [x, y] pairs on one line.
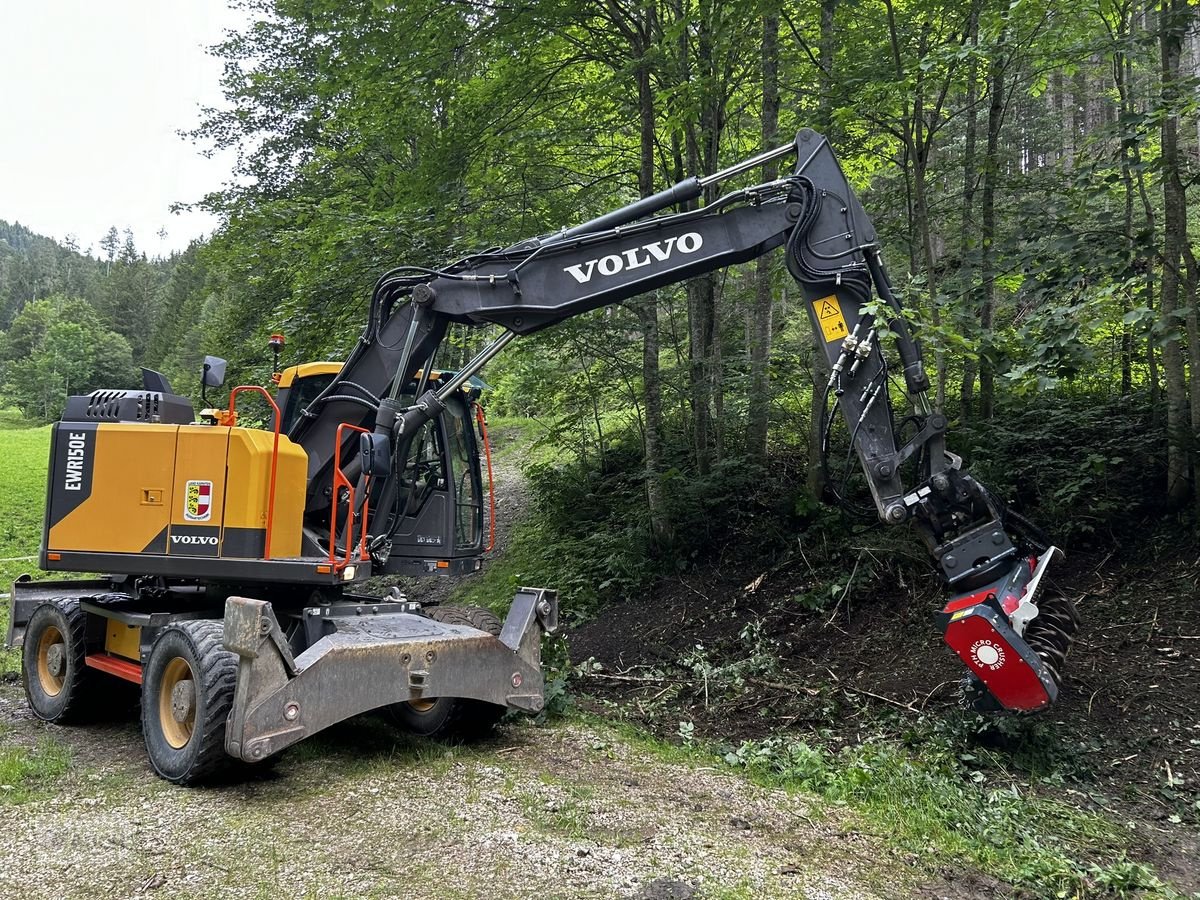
[[340, 481], [487, 452], [274, 453]]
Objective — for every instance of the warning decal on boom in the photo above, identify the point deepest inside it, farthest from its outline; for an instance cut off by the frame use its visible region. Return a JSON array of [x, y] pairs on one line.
[[830, 318]]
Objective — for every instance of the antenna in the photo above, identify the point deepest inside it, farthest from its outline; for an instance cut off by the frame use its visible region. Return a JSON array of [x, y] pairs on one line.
[[276, 342]]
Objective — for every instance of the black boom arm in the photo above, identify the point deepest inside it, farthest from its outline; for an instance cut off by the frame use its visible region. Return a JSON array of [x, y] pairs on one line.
[[833, 255]]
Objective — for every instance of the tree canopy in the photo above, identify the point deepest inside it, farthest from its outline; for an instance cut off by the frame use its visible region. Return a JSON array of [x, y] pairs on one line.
[[1027, 165]]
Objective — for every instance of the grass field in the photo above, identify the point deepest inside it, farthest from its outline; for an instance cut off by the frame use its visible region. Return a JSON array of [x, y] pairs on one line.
[[23, 458], [24, 452]]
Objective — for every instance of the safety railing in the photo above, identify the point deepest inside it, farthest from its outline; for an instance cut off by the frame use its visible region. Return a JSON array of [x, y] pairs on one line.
[[341, 481], [487, 453]]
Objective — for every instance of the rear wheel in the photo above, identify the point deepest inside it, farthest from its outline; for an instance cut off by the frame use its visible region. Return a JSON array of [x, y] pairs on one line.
[[59, 686], [187, 693], [452, 719]]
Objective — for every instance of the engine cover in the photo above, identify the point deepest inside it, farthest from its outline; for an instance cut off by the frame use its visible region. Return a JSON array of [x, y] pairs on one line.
[[989, 646]]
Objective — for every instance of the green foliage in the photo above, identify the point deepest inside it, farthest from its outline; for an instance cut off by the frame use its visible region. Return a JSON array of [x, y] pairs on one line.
[[10, 418], [131, 310], [33, 267], [1124, 878], [56, 347], [935, 798], [1085, 467], [589, 536]]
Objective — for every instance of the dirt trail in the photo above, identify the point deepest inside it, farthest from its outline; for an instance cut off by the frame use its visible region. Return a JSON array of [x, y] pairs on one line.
[[564, 811]]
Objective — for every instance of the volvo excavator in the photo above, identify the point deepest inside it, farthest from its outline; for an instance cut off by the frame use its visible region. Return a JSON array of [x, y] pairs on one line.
[[235, 555]]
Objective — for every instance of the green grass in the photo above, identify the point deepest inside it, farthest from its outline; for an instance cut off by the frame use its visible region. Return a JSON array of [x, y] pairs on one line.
[[24, 454], [516, 443], [11, 418], [526, 441], [23, 458], [516, 567], [10, 660], [26, 774], [924, 798], [565, 816]]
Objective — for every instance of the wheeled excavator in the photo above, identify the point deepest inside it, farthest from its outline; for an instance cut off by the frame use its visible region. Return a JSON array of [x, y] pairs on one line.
[[236, 554]]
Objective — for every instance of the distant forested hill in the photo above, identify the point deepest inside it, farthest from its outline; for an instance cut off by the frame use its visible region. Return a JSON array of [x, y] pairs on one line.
[[33, 266], [72, 321]]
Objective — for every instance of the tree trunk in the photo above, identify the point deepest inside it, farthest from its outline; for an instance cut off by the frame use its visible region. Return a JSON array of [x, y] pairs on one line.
[[1079, 101], [647, 312], [1171, 30], [656, 499], [1120, 79], [1146, 261], [967, 265], [700, 334], [920, 151], [759, 405], [987, 264], [1191, 297], [703, 140], [1194, 41]]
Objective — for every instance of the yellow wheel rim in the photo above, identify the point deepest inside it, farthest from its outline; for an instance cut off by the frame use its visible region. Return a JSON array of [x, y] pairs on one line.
[[177, 702], [51, 661], [422, 706]]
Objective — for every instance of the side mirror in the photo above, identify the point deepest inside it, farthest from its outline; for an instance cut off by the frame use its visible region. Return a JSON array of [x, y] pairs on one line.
[[376, 453], [214, 371]]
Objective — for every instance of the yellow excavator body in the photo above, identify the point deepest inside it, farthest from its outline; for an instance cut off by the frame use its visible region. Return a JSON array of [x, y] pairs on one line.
[[170, 490]]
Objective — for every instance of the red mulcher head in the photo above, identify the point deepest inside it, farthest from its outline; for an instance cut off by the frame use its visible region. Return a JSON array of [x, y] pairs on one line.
[[1013, 648]]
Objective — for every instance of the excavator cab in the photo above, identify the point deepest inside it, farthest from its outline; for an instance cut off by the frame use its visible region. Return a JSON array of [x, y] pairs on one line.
[[440, 499], [301, 385]]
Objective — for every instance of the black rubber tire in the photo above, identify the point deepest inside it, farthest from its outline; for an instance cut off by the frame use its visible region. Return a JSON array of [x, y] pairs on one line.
[[75, 699], [453, 719], [214, 673]]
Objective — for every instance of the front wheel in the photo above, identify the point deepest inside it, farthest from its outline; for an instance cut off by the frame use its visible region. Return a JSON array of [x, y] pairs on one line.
[[187, 694], [452, 719]]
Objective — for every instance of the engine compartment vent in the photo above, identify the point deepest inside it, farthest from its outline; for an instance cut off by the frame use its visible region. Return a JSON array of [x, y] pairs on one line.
[[129, 406]]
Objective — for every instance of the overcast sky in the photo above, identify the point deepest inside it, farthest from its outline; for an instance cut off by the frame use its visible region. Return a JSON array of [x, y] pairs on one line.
[[92, 93]]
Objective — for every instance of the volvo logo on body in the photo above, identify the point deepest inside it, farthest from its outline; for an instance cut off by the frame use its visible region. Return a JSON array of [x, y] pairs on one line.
[[636, 257], [193, 539]]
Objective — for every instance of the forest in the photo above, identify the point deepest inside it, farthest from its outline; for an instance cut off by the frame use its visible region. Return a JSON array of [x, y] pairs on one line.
[[1027, 166], [1031, 167]]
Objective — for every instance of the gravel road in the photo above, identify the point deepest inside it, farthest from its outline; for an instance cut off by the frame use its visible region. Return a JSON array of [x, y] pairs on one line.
[[538, 811]]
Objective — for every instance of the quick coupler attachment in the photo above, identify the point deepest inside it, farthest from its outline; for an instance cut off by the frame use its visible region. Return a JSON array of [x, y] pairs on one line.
[[1013, 641]]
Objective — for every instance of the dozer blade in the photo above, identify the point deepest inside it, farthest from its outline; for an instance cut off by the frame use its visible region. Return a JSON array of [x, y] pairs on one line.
[[1013, 641], [365, 662]]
